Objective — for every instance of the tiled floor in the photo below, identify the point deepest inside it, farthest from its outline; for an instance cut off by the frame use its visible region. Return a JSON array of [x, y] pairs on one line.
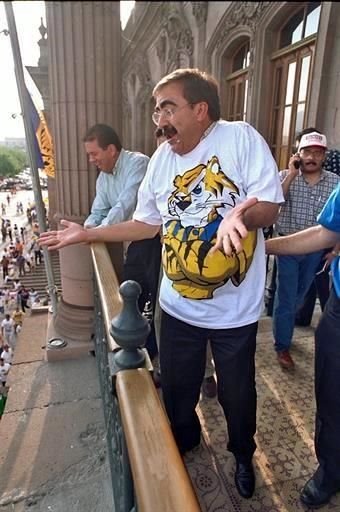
[[285, 457]]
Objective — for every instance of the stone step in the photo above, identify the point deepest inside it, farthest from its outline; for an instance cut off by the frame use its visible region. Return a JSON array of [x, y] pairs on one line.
[[38, 279]]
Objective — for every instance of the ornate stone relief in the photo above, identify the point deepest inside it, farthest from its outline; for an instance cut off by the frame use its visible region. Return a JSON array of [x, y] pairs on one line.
[[176, 37], [125, 97], [200, 11], [241, 13], [139, 70], [161, 47], [142, 69]]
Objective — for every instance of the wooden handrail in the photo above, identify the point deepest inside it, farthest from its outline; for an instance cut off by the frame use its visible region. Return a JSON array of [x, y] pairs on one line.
[[108, 288], [161, 481]]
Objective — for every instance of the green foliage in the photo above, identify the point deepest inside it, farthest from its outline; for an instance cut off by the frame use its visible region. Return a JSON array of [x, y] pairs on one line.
[[12, 161]]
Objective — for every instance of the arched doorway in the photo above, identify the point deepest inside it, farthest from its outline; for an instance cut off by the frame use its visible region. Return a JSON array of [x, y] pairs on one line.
[[235, 79]]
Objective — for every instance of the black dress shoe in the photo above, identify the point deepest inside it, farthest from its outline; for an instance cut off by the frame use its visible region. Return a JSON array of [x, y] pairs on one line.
[[315, 496], [245, 479]]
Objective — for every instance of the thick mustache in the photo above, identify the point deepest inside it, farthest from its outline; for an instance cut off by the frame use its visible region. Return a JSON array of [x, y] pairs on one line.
[[166, 131]]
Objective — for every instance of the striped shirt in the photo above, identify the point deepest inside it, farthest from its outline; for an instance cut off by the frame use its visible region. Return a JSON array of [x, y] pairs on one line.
[[304, 202]]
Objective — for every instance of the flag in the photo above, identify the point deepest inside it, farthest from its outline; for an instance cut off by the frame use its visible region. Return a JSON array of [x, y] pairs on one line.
[[43, 145]]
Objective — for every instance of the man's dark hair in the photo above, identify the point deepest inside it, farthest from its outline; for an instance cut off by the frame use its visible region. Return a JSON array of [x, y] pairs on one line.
[[197, 86], [104, 135]]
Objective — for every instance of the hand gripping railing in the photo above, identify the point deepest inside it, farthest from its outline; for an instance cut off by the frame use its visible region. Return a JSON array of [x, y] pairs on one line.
[[147, 470]]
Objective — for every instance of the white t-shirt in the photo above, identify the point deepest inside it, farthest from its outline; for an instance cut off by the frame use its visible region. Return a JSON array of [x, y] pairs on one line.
[[189, 195], [3, 372], [7, 355], [8, 326]]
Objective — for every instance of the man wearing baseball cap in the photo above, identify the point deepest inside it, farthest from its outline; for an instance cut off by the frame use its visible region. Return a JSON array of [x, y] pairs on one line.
[[321, 285], [306, 188]]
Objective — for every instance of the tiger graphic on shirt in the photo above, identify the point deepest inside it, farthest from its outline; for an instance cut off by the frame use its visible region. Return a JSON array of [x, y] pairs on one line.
[[195, 202]]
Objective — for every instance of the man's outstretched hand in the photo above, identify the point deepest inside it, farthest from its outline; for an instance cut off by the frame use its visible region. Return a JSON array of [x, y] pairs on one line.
[[72, 234], [232, 230]]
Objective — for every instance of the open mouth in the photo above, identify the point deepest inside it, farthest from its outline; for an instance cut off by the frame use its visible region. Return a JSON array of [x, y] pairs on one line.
[[167, 131]]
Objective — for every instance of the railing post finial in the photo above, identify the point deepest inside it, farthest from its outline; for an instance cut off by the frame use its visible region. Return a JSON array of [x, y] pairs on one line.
[[130, 328]]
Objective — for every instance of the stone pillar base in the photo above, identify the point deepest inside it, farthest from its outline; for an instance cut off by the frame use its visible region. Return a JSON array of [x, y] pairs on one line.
[[74, 326]]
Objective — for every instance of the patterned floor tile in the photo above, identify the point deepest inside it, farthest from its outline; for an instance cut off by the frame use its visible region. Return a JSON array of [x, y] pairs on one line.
[[285, 458]]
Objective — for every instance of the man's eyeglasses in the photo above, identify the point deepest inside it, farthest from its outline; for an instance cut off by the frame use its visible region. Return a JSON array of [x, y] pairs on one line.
[[316, 153], [167, 112]]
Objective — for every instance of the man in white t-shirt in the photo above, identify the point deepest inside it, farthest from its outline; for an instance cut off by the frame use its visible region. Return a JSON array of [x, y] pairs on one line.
[[212, 186], [7, 330], [4, 369], [7, 354]]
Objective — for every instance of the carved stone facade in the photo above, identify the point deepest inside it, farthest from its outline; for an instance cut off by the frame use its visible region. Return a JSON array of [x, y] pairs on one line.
[[239, 14], [162, 36]]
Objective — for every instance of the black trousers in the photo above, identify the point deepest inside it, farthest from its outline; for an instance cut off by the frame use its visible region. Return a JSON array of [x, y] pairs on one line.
[[142, 264], [327, 392], [183, 350]]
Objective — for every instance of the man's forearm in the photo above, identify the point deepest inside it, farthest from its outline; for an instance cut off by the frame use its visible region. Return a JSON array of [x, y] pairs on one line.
[[261, 215], [306, 241], [130, 230]]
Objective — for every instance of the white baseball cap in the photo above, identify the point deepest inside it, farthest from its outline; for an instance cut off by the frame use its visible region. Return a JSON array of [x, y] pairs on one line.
[[313, 139]]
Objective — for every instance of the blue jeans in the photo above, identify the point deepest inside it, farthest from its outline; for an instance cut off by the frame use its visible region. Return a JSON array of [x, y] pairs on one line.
[[295, 274]]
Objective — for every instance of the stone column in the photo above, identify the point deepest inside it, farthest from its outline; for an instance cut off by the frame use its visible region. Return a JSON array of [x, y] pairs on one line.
[[200, 11], [84, 41]]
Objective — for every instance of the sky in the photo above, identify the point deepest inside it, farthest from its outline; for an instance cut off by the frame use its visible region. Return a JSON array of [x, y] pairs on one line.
[[28, 16]]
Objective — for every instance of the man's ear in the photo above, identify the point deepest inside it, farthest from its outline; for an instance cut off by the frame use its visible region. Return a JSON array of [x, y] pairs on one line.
[[112, 148], [201, 110]]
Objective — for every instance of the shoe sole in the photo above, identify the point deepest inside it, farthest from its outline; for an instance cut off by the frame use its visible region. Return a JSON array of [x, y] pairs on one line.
[[312, 506]]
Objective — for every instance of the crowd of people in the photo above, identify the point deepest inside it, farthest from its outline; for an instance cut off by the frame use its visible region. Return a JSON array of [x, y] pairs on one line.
[[21, 254]]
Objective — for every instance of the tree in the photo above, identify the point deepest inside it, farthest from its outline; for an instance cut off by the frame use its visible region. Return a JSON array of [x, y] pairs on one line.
[[12, 161]]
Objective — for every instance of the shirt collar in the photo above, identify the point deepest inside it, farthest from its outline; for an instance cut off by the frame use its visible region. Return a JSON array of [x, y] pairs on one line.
[[208, 130], [323, 176], [119, 162]]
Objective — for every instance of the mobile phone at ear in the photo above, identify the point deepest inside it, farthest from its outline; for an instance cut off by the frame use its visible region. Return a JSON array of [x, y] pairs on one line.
[[297, 164]]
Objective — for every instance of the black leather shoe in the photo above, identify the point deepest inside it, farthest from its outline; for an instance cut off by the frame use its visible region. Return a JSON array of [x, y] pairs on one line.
[[245, 479], [315, 496]]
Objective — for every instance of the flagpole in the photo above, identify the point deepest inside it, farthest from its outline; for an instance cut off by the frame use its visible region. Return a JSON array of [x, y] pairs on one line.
[[30, 136]]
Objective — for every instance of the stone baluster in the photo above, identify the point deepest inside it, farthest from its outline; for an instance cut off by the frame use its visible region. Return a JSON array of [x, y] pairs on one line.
[[130, 329]]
